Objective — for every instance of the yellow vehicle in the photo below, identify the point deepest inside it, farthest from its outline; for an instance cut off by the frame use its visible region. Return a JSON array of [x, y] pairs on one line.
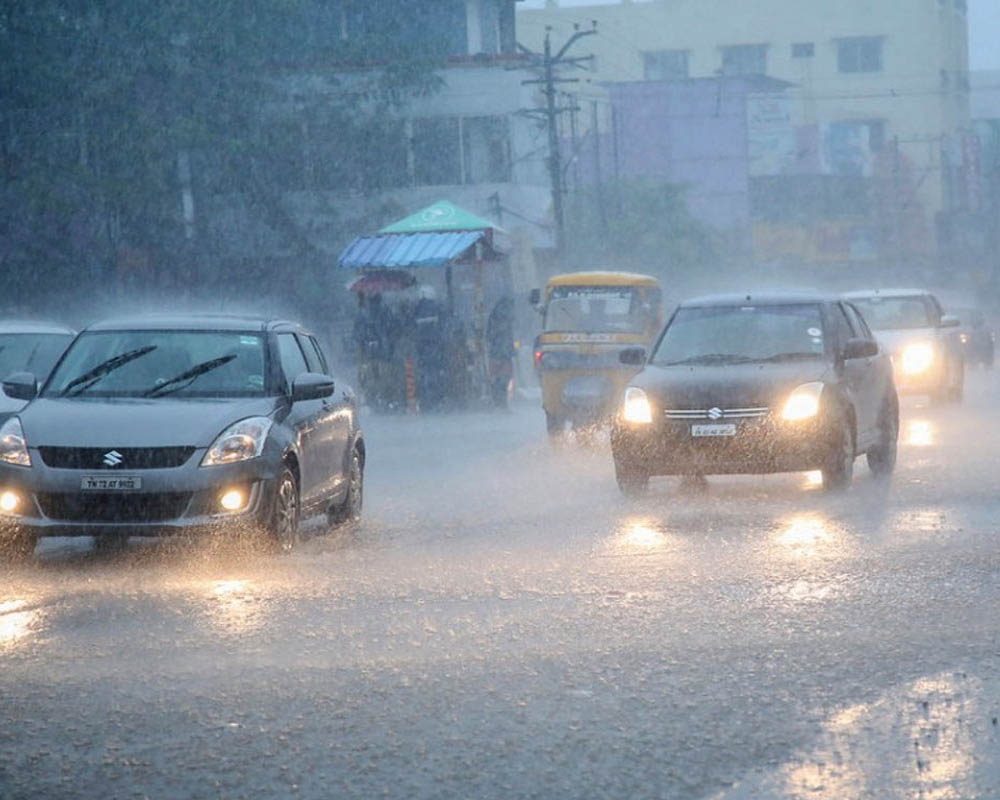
[[588, 319]]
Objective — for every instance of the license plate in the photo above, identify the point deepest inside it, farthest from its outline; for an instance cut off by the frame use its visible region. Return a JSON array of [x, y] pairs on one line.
[[116, 483], [713, 430]]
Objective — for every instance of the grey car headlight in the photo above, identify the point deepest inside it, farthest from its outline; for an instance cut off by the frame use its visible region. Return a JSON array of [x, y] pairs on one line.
[[13, 447], [241, 441]]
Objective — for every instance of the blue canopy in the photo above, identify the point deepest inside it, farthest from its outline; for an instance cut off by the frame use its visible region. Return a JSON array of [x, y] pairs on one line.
[[399, 251]]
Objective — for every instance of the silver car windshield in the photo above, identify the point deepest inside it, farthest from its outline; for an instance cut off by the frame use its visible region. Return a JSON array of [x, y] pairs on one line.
[[31, 352], [737, 334], [895, 313], [160, 363]]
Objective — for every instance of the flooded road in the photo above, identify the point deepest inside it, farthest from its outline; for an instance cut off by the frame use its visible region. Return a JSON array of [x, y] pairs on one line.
[[505, 624]]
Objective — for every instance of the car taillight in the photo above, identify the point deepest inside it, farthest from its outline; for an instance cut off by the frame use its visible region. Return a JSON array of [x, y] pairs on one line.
[[538, 358]]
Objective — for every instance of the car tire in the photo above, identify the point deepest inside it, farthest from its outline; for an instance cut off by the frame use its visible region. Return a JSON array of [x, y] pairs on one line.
[[17, 544], [349, 511], [282, 527], [633, 481], [838, 471], [555, 425], [882, 457]]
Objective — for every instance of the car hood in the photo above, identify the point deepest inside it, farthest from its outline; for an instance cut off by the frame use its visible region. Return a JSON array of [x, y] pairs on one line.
[[135, 422], [893, 341], [729, 386]]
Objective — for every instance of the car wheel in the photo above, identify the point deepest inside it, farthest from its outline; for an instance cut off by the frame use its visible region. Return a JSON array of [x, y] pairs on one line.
[[632, 480], [282, 528], [882, 457], [839, 469], [350, 510], [17, 545]]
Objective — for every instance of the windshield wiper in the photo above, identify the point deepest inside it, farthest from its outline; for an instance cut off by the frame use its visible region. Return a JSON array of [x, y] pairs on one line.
[[711, 358], [789, 356], [92, 376], [187, 377]]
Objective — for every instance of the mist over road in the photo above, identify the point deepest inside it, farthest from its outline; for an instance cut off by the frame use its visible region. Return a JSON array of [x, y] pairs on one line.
[[504, 624]]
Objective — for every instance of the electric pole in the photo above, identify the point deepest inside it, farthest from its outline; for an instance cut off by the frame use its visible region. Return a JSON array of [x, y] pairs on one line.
[[548, 63]]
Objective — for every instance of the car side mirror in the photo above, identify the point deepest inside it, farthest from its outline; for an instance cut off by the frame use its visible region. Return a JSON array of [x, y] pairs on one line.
[[860, 348], [21, 386], [311, 386], [949, 321], [633, 356]]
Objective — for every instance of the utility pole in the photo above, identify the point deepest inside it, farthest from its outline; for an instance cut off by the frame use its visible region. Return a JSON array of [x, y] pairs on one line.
[[548, 63]]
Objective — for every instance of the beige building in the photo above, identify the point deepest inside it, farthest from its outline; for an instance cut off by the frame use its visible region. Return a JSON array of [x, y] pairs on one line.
[[884, 71]]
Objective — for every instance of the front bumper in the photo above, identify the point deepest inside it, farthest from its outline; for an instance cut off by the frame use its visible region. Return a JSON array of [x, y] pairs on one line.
[[174, 500], [760, 446]]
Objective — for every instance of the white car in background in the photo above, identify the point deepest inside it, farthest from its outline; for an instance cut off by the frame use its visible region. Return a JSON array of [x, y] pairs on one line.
[[922, 339]]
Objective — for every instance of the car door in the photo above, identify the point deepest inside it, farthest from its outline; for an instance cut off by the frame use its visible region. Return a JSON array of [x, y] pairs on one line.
[[861, 374], [303, 418], [333, 424]]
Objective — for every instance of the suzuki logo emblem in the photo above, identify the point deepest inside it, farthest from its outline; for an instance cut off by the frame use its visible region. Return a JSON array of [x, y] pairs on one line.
[[715, 413], [113, 459]]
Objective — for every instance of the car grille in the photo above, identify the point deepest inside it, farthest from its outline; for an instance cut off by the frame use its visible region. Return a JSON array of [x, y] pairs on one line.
[[148, 507], [91, 458], [707, 413]]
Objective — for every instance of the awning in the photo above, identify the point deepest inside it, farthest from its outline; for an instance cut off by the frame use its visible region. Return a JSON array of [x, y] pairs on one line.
[[400, 251]]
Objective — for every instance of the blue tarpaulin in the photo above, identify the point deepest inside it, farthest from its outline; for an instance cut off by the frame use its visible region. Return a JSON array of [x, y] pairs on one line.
[[399, 251]]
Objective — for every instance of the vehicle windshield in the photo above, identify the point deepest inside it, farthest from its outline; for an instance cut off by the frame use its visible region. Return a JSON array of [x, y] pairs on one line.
[[895, 313], [31, 352], [595, 309], [154, 363], [737, 334]]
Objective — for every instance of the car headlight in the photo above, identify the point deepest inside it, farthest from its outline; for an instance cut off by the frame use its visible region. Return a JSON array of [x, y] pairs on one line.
[[13, 447], [803, 403], [916, 358], [636, 407], [241, 441]]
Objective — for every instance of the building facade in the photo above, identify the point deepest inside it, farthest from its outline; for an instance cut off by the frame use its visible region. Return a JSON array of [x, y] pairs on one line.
[[877, 92]]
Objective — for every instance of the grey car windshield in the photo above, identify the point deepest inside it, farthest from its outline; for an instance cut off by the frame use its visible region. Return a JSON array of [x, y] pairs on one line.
[[161, 363], [31, 352], [594, 309], [895, 313], [735, 334]]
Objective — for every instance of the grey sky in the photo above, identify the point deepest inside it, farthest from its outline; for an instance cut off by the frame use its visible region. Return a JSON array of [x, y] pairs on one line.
[[984, 28]]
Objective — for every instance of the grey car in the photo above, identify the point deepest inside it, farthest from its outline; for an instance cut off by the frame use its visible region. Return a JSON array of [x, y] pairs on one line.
[[29, 347], [180, 424]]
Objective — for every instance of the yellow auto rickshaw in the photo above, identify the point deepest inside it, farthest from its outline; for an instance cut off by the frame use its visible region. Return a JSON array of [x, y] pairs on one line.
[[588, 319]]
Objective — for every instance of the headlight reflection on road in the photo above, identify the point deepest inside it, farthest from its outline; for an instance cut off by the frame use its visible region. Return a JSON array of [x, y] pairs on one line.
[[919, 433], [233, 606], [17, 623], [808, 535], [640, 535]]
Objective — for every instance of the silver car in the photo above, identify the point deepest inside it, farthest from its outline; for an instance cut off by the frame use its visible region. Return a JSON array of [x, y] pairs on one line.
[[180, 424]]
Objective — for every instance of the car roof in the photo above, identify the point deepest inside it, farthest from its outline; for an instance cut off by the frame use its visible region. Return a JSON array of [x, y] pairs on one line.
[[194, 322], [33, 326], [770, 297], [864, 294], [602, 278]]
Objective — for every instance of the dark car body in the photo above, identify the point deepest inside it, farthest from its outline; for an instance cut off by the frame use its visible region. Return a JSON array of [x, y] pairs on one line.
[[121, 465], [29, 347], [744, 402], [976, 335], [927, 326]]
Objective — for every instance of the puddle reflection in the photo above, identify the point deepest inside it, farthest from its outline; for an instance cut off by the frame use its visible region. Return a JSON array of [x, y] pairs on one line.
[[919, 433], [638, 535], [811, 534], [234, 607], [18, 623]]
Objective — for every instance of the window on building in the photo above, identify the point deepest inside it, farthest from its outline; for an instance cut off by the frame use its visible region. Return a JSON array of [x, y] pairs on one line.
[[861, 54], [803, 50], [665, 65], [486, 149], [437, 154], [744, 59]]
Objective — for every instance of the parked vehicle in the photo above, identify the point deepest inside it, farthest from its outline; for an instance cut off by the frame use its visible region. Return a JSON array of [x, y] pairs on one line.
[[29, 347], [758, 383], [180, 424], [588, 317], [923, 341], [976, 336]]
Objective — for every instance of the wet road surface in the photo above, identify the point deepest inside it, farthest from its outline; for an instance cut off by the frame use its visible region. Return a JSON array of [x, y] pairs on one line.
[[504, 624]]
